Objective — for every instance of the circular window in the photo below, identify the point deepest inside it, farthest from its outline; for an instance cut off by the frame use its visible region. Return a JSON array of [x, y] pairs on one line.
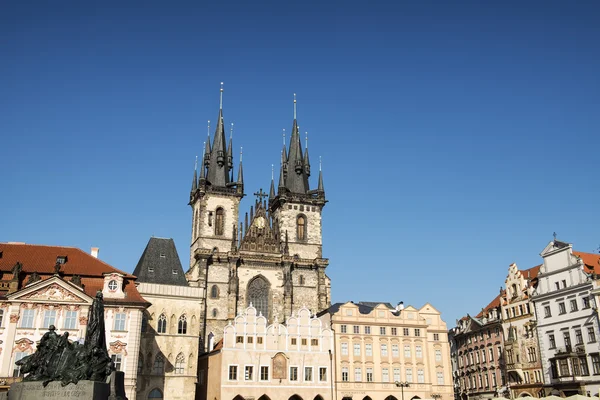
[[112, 285]]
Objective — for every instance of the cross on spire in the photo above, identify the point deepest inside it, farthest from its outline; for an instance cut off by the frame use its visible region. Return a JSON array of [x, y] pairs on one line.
[[260, 195]]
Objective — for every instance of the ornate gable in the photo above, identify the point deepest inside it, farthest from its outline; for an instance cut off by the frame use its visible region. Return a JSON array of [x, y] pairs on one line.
[[260, 236], [51, 290]]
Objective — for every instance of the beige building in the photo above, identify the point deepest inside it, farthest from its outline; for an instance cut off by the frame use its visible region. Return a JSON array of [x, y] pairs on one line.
[[51, 285], [170, 333], [378, 347], [255, 360]]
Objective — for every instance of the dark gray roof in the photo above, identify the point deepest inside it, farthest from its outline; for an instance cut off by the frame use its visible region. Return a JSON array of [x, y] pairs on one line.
[[160, 263], [296, 180], [374, 304], [218, 166]]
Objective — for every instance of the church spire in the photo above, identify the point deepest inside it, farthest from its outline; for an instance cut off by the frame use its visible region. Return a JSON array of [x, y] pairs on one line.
[[272, 191], [306, 161], [320, 188], [195, 180], [230, 152], [296, 181], [218, 168], [203, 167]]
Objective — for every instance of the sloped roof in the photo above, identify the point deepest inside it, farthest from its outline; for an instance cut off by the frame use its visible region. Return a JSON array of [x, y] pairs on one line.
[[493, 304], [374, 304], [590, 260], [160, 263]]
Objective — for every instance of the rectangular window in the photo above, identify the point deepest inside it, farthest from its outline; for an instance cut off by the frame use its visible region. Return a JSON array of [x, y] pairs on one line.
[[344, 374], [578, 336], [584, 366], [586, 302], [394, 331], [357, 375], [419, 352], [239, 339], [482, 355], [250, 339], [70, 320], [367, 330], [248, 372], [440, 378], [405, 331], [322, 374], [117, 359], [1, 317], [119, 322], [308, 374], [436, 336], [547, 312], [409, 377], [563, 366], [233, 372], [294, 341], [491, 354], [551, 341], [259, 340], [417, 332], [27, 317], [406, 351], [264, 373], [396, 374], [561, 308], [17, 369], [567, 338], [49, 318], [438, 355], [564, 283], [369, 374], [293, 374], [356, 329], [382, 330], [595, 363], [303, 341], [357, 349], [385, 375], [395, 351], [420, 376], [591, 334], [368, 349], [344, 348], [343, 328], [314, 342], [573, 305]]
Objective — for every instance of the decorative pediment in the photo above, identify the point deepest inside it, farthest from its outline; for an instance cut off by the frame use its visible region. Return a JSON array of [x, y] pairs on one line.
[[259, 235], [554, 247], [51, 290], [23, 345], [118, 347]]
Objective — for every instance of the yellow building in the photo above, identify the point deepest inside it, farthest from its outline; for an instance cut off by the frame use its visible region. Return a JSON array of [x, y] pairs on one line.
[[386, 353]]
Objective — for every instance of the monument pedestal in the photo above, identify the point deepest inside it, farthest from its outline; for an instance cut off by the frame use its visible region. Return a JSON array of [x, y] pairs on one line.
[[54, 390]]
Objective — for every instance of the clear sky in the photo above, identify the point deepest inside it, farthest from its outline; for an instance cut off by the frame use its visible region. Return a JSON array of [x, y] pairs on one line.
[[456, 136]]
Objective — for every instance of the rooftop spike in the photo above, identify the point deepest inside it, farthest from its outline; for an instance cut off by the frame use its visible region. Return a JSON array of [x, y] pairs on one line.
[[218, 169], [203, 169], [195, 181], [294, 105], [240, 179], [320, 188], [272, 191], [221, 100]]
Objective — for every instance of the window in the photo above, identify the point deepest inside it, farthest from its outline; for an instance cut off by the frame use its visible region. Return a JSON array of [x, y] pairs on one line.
[[294, 341], [396, 374], [17, 369], [344, 348], [557, 285], [420, 376], [394, 331], [322, 374], [491, 354], [259, 340], [214, 313], [578, 336], [343, 328], [409, 377], [258, 295], [586, 302], [219, 221], [49, 318], [303, 341], [385, 375], [162, 324], [369, 374], [438, 355], [573, 305], [395, 351], [357, 349], [239, 339], [591, 334], [440, 378], [595, 363], [564, 283], [567, 338], [405, 331], [116, 359], [233, 372], [584, 366], [264, 373], [314, 342], [1, 317], [563, 366], [406, 351], [561, 308], [120, 321], [155, 394], [159, 365], [182, 325], [293, 373], [436, 336], [356, 329], [180, 364], [384, 351], [214, 292], [417, 332], [551, 340], [151, 269], [248, 372], [367, 330], [382, 330], [368, 349], [345, 374], [547, 312], [419, 352], [112, 285], [308, 376], [357, 375], [27, 318], [301, 227]]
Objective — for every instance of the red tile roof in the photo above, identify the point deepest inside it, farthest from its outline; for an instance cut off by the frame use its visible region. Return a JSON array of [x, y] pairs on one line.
[[494, 303], [591, 260]]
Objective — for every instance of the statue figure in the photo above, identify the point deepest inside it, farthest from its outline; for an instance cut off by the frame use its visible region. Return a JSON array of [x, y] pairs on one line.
[[76, 279], [33, 278], [16, 271], [57, 267]]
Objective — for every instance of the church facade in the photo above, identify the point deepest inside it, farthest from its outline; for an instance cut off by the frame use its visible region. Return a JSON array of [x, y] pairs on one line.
[[272, 259]]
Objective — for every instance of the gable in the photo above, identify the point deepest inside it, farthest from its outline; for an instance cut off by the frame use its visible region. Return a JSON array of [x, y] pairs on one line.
[[51, 290]]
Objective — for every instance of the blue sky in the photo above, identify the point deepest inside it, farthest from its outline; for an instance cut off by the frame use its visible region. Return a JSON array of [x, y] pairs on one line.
[[456, 136]]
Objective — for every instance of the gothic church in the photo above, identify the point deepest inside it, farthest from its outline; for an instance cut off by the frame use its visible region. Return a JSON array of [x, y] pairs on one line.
[[273, 259]]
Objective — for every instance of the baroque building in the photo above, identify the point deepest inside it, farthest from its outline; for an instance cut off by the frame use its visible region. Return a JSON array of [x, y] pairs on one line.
[[273, 259], [167, 367], [523, 365], [42, 286], [378, 346]]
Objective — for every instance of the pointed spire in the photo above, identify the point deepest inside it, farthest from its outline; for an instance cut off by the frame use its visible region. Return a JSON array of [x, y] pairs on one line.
[[221, 99], [240, 179], [320, 188], [294, 105], [281, 185], [296, 180], [206, 156], [306, 161], [230, 152], [195, 180], [272, 191], [203, 167], [218, 170]]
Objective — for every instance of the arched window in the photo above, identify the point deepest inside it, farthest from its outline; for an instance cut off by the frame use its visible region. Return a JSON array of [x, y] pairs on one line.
[[214, 292], [162, 324], [182, 325], [258, 295], [301, 227], [155, 394], [159, 365], [214, 313], [180, 364], [219, 221], [140, 364]]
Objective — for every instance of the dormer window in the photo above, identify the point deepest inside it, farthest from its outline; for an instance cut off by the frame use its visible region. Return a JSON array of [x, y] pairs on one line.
[[61, 259], [174, 272], [163, 255], [112, 285], [150, 268]]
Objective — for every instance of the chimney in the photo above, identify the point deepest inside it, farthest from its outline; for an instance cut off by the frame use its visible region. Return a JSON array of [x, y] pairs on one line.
[[94, 252]]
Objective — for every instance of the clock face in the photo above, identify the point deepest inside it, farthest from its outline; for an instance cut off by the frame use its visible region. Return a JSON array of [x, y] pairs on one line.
[[259, 222]]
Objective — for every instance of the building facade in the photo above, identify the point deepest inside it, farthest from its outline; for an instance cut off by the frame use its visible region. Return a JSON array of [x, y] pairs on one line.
[[523, 363], [479, 345], [567, 324], [169, 345], [257, 360], [273, 259], [378, 346], [51, 285]]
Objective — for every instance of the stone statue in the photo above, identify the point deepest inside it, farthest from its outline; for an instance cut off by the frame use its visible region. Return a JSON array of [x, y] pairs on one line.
[[16, 271], [57, 267], [58, 359], [76, 279], [33, 278]]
